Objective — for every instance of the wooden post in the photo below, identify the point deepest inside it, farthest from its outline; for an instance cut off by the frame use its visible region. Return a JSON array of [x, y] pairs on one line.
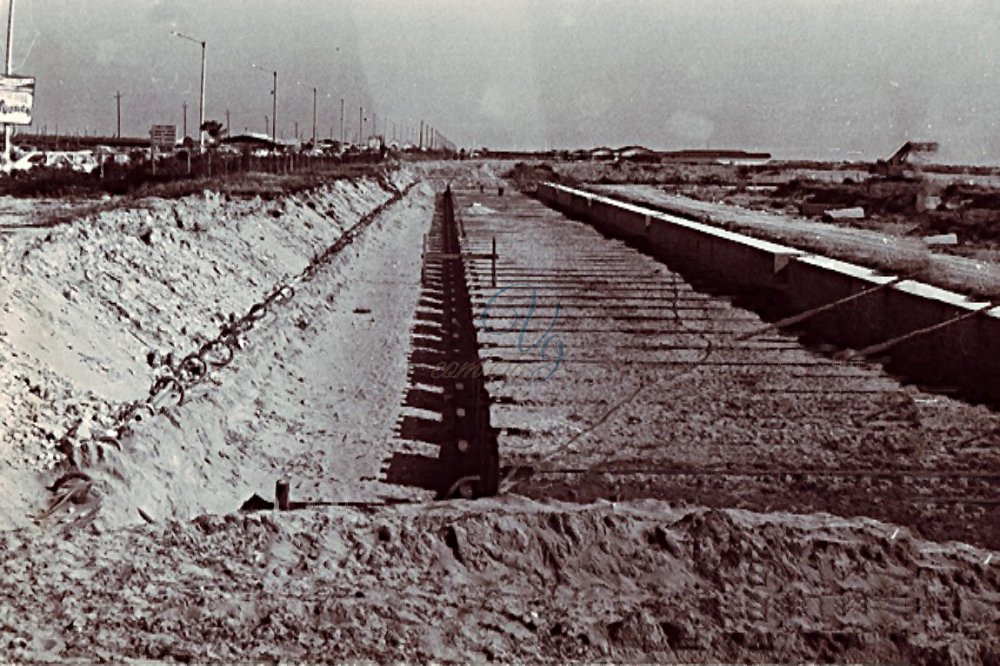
[[423, 260], [493, 262], [281, 495]]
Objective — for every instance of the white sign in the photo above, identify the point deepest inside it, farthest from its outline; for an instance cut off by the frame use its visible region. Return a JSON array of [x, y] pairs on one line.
[[17, 96]]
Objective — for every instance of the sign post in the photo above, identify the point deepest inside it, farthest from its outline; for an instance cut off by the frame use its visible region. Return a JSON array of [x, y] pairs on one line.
[[17, 96], [6, 70], [161, 136]]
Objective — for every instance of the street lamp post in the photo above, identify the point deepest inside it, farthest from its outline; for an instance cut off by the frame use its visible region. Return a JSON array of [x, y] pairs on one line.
[[274, 105], [201, 103]]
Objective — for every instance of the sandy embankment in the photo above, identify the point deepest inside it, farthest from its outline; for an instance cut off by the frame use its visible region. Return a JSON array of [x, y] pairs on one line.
[[506, 579], [90, 308]]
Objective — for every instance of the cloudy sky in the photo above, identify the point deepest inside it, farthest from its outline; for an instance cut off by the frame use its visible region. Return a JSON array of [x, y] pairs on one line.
[[800, 78]]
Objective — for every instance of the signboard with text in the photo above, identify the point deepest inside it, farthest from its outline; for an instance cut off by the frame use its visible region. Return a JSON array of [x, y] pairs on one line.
[[17, 97], [163, 136]]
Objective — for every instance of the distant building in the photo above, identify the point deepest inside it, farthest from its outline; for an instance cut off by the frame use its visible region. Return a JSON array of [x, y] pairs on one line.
[[715, 157], [637, 154], [248, 141]]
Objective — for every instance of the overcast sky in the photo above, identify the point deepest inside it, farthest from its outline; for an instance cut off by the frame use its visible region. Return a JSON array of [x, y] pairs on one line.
[[800, 78]]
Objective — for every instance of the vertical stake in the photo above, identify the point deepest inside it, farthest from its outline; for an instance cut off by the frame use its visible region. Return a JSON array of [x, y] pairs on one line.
[[281, 495], [493, 261]]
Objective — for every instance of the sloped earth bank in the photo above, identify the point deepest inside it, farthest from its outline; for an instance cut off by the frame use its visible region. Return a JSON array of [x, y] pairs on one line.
[[91, 310], [314, 395], [506, 580]]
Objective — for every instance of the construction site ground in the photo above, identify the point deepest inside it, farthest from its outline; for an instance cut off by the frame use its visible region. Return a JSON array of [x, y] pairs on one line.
[[641, 518]]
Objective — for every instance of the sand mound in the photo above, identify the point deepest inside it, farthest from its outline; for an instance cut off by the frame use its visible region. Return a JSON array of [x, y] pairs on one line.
[[507, 580]]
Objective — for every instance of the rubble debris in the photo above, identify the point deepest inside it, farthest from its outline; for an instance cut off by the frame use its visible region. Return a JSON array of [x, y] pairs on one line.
[[812, 208], [147, 234], [854, 213], [942, 239]]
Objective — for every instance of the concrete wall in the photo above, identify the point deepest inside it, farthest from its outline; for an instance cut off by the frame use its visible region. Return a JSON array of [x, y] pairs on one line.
[[965, 355]]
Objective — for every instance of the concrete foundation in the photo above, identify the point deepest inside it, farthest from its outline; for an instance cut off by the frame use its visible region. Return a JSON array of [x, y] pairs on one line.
[[963, 356]]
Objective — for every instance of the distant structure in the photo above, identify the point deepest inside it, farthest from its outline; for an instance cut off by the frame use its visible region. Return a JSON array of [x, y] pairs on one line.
[[640, 155], [249, 141], [716, 156], [897, 167], [76, 142]]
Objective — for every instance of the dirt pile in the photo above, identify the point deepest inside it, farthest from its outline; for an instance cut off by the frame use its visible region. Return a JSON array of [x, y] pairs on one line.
[[526, 177], [94, 310], [509, 580]]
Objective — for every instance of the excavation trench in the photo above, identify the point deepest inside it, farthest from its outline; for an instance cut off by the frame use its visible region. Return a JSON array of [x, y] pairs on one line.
[[654, 386], [447, 406], [940, 339], [278, 394]]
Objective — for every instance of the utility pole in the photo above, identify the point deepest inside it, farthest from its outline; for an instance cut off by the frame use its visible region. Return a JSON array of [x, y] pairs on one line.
[[361, 122], [7, 129], [314, 117], [185, 105], [201, 105], [227, 122], [118, 99], [420, 146], [343, 135]]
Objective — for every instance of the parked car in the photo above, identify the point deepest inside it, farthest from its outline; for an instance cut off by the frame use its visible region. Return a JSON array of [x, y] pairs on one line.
[[28, 161], [82, 160]]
